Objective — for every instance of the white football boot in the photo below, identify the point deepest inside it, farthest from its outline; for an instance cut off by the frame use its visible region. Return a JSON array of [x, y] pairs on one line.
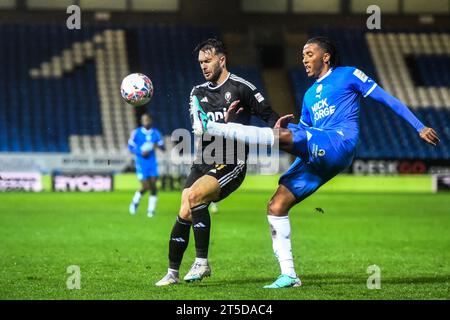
[[167, 280], [197, 272]]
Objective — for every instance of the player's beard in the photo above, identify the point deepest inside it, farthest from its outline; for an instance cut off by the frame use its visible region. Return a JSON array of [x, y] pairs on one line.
[[216, 73]]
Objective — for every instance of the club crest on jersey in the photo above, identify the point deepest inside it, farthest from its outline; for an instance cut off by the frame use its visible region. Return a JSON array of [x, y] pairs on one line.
[[319, 91], [228, 96]]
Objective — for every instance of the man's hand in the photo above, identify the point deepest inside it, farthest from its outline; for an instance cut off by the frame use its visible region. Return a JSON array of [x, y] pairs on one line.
[[233, 111], [429, 135], [283, 121], [145, 154]]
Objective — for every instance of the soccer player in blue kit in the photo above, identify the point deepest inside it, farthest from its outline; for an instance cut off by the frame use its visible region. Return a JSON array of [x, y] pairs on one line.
[[142, 144], [324, 140]]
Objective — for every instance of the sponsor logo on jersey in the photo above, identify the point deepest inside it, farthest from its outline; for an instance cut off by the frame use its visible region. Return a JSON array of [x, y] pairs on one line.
[[205, 99], [360, 75], [216, 115], [321, 109], [259, 97]]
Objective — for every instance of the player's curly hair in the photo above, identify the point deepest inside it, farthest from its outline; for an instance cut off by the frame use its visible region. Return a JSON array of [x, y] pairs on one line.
[[327, 46], [211, 43]]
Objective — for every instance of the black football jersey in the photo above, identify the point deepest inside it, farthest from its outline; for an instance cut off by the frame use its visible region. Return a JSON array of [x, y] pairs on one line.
[[215, 101]]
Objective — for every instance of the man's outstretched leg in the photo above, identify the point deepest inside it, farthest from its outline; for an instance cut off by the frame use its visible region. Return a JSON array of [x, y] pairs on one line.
[[284, 138]]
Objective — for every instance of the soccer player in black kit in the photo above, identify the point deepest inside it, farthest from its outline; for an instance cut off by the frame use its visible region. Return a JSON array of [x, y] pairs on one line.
[[212, 180]]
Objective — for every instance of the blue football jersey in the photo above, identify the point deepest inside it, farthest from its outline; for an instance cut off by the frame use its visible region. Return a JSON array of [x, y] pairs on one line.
[[141, 140], [332, 102]]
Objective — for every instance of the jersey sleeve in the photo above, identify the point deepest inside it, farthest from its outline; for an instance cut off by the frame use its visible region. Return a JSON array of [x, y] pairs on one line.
[[159, 139], [258, 104], [305, 118], [369, 88], [361, 83], [132, 145], [380, 95]]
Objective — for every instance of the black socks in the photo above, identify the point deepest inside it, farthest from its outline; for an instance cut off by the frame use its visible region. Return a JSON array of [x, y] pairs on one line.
[[201, 223], [179, 239]]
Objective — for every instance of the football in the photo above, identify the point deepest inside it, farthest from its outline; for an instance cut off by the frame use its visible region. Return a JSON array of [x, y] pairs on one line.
[[136, 89]]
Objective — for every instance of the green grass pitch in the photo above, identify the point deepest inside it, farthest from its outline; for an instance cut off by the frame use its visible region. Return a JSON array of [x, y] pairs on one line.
[[395, 223]]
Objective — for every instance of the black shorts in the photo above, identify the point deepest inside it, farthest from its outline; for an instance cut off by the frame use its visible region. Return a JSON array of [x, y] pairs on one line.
[[230, 176]]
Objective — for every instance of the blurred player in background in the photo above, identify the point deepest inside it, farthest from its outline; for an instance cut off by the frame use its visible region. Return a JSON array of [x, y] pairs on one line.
[[142, 143], [209, 180], [324, 141]]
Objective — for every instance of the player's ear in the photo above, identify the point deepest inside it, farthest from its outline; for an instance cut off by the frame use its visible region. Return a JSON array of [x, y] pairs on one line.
[[223, 60], [326, 58]]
